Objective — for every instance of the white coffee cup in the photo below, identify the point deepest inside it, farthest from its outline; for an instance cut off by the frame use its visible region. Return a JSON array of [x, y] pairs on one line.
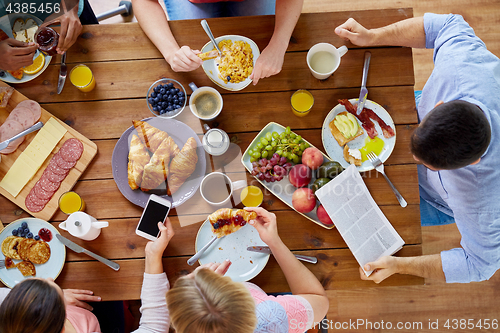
[[197, 92], [218, 182], [325, 47], [82, 225]]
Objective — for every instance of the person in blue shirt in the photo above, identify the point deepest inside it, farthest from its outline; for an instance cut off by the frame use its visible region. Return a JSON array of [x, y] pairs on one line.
[[457, 142], [69, 14]]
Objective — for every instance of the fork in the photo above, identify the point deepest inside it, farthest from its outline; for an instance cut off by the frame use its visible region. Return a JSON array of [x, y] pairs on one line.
[[379, 166], [2, 264]]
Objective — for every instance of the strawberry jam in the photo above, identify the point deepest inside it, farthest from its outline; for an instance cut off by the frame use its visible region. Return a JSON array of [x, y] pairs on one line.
[[47, 40], [45, 234]]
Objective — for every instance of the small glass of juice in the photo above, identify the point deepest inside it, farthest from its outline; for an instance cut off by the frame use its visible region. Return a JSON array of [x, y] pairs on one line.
[[302, 102], [71, 202], [251, 196], [81, 76]]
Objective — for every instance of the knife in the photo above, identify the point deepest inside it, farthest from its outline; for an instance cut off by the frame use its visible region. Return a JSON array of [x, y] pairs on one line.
[[364, 92], [78, 249], [266, 249], [63, 72], [33, 128]]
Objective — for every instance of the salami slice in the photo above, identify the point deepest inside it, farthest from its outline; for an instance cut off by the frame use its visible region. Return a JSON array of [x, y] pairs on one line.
[[62, 163], [8, 129], [35, 201], [34, 107], [30, 205], [71, 150], [23, 115], [41, 193], [47, 185], [53, 177], [56, 169]]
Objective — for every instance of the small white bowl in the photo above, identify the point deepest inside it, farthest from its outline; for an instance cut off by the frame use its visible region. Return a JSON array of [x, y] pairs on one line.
[[153, 92]]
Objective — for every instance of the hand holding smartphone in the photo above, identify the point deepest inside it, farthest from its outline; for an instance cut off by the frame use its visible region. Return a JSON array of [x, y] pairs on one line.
[[156, 210]]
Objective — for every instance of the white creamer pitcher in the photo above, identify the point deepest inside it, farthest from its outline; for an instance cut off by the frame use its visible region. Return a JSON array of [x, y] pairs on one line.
[[82, 225]]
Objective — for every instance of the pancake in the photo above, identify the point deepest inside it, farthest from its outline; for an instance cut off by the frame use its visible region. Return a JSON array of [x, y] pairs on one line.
[[12, 247], [24, 247], [5, 245], [39, 252], [26, 268], [9, 263]]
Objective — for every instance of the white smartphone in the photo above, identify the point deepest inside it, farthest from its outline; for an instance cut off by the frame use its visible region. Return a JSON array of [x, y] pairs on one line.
[[156, 210]]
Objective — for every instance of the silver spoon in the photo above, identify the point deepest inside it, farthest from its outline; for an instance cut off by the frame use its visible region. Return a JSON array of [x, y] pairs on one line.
[[205, 26]]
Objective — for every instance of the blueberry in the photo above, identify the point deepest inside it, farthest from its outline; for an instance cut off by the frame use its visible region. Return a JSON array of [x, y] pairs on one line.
[[172, 91], [26, 230], [24, 225], [169, 108], [176, 90], [14, 232], [2, 73], [162, 91], [20, 230], [170, 97], [228, 78], [156, 89], [151, 100], [153, 94], [156, 99], [155, 109], [181, 100], [180, 94], [169, 85], [36, 237], [29, 235], [216, 225]]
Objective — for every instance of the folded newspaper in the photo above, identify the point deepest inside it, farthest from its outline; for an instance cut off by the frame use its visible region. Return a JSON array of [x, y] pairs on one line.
[[367, 232]]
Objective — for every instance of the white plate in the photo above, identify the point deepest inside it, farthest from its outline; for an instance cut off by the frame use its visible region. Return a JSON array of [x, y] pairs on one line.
[[211, 69], [245, 265], [6, 25], [282, 189], [51, 269], [336, 152]]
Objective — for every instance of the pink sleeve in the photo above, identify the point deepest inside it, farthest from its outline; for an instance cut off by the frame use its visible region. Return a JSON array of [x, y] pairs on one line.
[[82, 320], [298, 309]]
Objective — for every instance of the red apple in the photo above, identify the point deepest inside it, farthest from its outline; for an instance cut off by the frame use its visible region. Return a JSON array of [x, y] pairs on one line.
[[299, 175], [312, 157], [303, 200], [323, 216]]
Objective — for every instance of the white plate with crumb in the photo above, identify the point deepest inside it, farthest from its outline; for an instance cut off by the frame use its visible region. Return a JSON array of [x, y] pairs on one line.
[[245, 265], [336, 152], [210, 67]]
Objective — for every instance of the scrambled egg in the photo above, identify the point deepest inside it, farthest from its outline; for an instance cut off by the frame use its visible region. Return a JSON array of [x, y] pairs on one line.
[[236, 62]]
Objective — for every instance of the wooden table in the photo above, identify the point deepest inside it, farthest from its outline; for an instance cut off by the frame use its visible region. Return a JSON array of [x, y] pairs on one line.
[[125, 63]]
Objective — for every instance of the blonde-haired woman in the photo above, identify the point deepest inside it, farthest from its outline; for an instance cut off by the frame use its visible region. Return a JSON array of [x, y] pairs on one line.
[[206, 302]]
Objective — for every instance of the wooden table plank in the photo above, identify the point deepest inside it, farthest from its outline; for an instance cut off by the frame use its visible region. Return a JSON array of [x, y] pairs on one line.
[[335, 269], [108, 42], [131, 79]]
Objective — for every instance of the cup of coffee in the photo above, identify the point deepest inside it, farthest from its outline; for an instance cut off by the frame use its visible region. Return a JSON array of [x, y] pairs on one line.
[[205, 102], [323, 59], [217, 188]]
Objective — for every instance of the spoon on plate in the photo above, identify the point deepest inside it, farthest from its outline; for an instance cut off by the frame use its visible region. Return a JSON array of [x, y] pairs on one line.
[[205, 26]]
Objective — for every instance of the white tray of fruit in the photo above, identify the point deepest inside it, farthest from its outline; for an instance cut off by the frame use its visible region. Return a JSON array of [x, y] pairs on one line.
[[294, 173]]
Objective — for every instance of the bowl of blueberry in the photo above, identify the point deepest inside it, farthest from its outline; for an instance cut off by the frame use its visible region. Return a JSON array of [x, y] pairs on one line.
[[166, 98]]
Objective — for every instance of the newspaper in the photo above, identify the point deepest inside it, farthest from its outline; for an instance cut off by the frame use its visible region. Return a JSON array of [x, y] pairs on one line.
[[367, 232]]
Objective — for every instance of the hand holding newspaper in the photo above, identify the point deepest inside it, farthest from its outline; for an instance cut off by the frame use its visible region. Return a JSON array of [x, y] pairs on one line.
[[367, 232]]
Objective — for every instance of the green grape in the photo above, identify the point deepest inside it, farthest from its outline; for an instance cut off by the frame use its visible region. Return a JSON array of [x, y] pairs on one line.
[[300, 153], [275, 135], [292, 156], [288, 155], [293, 135], [274, 143], [269, 136], [285, 141], [299, 137], [264, 141], [302, 146], [288, 130], [269, 147], [306, 145], [295, 159], [296, 149], [253, 159], [271, 152], [264, 154], [256, 155], [250, 152], [296, 141], [282, 135], [259, 147], [279, 152]]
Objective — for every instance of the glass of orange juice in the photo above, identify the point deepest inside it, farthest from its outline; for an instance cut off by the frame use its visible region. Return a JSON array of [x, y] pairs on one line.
[[302, 102], [71, 202], [251, 196], [81, 76]]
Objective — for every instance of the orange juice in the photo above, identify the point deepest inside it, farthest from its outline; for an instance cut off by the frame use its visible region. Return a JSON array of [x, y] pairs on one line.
[[81, 76], [71, 202], [302, 102], [251, 196]]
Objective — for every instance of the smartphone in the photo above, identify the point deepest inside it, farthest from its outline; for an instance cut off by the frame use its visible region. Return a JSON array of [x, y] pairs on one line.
[[156, 210]]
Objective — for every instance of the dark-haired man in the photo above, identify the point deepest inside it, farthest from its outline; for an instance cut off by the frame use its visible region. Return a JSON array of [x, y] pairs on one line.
[[457, 142]]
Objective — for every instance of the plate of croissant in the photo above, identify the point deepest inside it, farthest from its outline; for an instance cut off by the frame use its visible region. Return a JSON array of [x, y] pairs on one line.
[[158, 156]]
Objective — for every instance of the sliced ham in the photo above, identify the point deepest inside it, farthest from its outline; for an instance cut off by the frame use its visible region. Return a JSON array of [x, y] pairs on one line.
[[34, 107], [23, 115], [8, 129]]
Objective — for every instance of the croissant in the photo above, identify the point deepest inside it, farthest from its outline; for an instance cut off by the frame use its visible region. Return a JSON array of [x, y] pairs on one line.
[[225, 221], [138, 157], [156, 171], [182, 166], [151, 136]]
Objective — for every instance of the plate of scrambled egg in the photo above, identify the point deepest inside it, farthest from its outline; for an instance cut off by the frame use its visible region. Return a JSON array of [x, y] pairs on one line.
[[232, 70]]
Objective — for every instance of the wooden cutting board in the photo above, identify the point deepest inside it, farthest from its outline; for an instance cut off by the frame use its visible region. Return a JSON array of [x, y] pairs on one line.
[[89, 151]]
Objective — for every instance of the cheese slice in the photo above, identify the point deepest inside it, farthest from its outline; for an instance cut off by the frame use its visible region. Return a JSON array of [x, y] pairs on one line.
[[31, 159]]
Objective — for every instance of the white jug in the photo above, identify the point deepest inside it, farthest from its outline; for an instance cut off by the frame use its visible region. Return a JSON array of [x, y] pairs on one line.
[[82, 225]]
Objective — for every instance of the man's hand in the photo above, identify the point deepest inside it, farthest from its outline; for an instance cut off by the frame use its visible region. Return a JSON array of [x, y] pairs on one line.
[[71, 27], [78, 297], [268, 63], [266, 225], [184, 60], [15, 54], [354, 32], [382, 269]]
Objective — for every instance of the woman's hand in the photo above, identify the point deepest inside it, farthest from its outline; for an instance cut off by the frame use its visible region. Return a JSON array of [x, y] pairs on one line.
[[78, 297], [268, 63], [154, 249], [266, 225], [219, 268], [15, 54], [184, 60]]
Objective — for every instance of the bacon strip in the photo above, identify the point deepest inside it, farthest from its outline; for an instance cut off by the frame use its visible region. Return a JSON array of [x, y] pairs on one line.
[[366, 117]]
